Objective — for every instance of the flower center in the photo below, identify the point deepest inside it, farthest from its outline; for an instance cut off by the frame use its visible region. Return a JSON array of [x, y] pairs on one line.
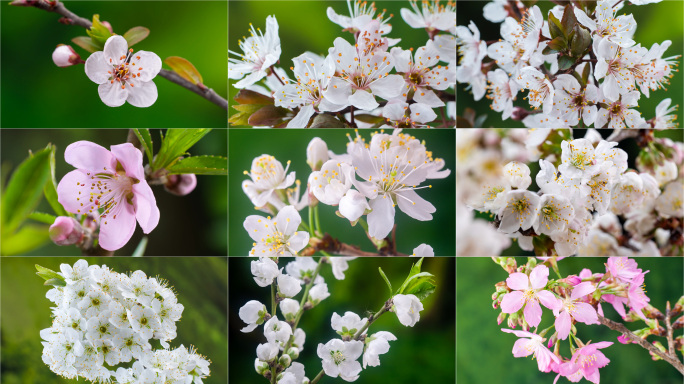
[[338, 357], [143, 321], [103, 329], [123, 73], [416, 78]]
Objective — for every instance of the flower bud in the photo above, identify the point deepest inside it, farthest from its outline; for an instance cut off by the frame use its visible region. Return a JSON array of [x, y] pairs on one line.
[[353, 205], [180, 185], [573, 280], [65, 56], [285, 360], [293, 352], [260, 366], [316, 153], [66, 231], [109, 26]]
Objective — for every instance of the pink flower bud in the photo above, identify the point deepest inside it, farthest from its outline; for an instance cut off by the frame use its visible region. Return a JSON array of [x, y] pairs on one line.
[[573, 280], [181, 185], [109, 26], [65, 56], [316, 153], [66, 231], [623, 339]]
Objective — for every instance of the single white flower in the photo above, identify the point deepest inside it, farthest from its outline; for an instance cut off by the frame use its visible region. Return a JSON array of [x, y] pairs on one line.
[[664, 118], [601, 183], [574, 102], [77, 273], [520, 41], [618, 113], [130, 344], [289, 308], [267, 351], [520, 211], [407, 308], [605, 151], [264, 271], [577, 158], [94, 303], [347, 325], [423, 250], [376, 345], [260, 52], [267, 176], [604, 24], [278, 236], [517, 175], [654, 72], [331, 183], [288, 286], [422, 74], [318, 292], [627, 194], [615, 64], [353, 205], [252, 313], [138, 287], [665, 172], [470, 47], [503, 90], [669, 203], [554, 214], [144, 321], [359, 17], [303, 268], [277, 331], [431, 16], [340, 358], [123, 75], [541, 89], [294, 374]]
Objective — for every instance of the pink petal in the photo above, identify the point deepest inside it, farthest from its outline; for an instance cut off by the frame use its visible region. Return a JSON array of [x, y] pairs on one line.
[[549, 300], [143, 94], [518, 281], [520, 333], [539, 276], [68, 192], [89, 156], [115, 232], [512, 302], [533, 313], [131, 159], [146, 210], [524, 347], [562, 325], [582, 289], [585, 313]]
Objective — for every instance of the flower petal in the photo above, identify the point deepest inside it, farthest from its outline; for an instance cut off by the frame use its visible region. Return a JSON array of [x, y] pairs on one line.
[[115, 47], [142, 95], [381, 219], [131, 159], [71, 189], [422, 113], [428, 97], [549, 300], [387, 87], [585, 313], [415, 206], [115, 232], [96, 68], [112, 94], [301, 120], [582, 289], [150, 63], [518, 281], [512, 302], [533, 313], [338, 91], [539, 277], [146, 210], [89, 156], [287, 221], [562, 325], [363, 100]]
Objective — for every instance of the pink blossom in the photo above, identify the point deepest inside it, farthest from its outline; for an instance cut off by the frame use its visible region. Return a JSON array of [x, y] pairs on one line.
[[531, 343], [586, 363], [529, 291], [637, 299], [112, 182], [574, 309], [622, 268]]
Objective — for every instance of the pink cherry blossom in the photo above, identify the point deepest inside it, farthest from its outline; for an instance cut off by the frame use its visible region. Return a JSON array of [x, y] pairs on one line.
[[531, 343], [528, 292], [585, 362], [112, 182], [573, 308], [622, 268]]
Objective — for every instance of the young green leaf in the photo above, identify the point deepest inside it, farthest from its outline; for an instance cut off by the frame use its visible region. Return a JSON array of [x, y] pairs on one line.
[[585, 74], [87, 43], [324, 120], [555, 27], [56, 282], [28, 238], [145, 138], [24, 190], [568, 20], [47, 273], [245, 96], [140, 249], [558, 44], [185, 69], [580, 42], [98, 32], [135, 35], [421, 289], [244, 112], [42, 217], [175, 144], [415, 271], [565, 62], [269, 115], [50, 189], [386, 280], [200, 165]]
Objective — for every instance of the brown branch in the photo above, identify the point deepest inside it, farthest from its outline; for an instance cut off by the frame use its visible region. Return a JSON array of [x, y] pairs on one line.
[[670, 331], [59, 8], [332, 245], [672, 359]]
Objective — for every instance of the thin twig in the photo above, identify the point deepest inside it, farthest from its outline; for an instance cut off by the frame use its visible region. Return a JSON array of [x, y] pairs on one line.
[[615, 326], [59, 8], [670, 331]]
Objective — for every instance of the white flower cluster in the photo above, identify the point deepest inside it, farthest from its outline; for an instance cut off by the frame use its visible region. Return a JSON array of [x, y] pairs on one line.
[[614, 70], [578, 202], [354, 75], [103, 318]]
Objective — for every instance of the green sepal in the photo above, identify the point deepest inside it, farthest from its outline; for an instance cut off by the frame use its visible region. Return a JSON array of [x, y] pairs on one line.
[[98, 32]]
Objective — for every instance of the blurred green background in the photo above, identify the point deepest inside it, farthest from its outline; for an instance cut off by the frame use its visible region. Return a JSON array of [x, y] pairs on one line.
[[245, 145], [484, 352], [422, 354], [655, 24], [195, 224], [629, 145], [200, 285], [38, 94], [316, 34]]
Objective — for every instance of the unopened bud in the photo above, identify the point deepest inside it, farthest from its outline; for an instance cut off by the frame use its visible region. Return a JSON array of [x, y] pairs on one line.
[[293, 352], [260, 366], [500, 319], [573, 280], [66, 231], [109, 26], [316, 153], [285, 360], [181, 185], [65, 56], [353, 205]]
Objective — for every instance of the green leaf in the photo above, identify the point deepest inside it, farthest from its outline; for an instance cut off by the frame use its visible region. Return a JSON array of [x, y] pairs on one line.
[[41, 217], [245, 96], [370, 119], [135, 35], [200, 165], [565, 62], [56, 282], [28, 238], [245, 111], [421, 289], [175, 144], [47, 273], [50, 188], [580, 42], [325, 120], [269, 115], [413, 274], [184, 68], [386, 280], [24, 190], [558, 44], [98, 32], [555, 27], [585, 74], [87, 43], [145, 138], [568, 20], [140, 249]]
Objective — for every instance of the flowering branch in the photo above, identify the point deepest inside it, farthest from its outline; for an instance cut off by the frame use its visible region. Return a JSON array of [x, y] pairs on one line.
[[71, 18], [670, 358]]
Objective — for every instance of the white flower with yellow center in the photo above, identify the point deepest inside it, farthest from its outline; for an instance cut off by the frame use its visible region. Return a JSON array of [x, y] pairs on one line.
[[618, 113], [615, 29], [520, 211], [268, 178], [577, 158], [669, 203], [278, 236], [517, 175], [260, 52], [541, 89], [627, 194], [431, 15], [554, 215], [502, 92], [332, 182]]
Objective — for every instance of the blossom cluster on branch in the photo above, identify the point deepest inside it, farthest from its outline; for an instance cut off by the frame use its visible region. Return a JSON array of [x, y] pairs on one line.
[[588, 202], [103, 319], [578, 299], [580, 66], [326, 90]]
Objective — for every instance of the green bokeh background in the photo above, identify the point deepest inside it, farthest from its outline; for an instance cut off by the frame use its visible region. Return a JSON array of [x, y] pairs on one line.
[[628, 145], [304, 26], [195, 224], [655, 24], [484, 352], [38, 94], [291, 145], [422, 354], [200, 285]]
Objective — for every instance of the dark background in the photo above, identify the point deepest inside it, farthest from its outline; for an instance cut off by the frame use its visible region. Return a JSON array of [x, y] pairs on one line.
[[424, 353]]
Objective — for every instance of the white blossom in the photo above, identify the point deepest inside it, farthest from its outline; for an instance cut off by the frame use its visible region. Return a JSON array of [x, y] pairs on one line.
[[407, 308]]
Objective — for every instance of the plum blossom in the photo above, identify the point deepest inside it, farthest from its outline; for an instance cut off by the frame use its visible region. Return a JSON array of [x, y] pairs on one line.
[[112, 182], [376, 345], [520, 41], [664, 118], [531, 343], [520, 211], [503, 90], [340, 358], [422, 74], [347, 325], [529, 292], [423, 250], [574, 308], [554, 214], [359, 17], [431, 16], [65, 56], [260, 52], [517, 175], [277, 236], [252, 313], [288, 286], [619, 113], [471, 48], [577, 158], [267, 176], [264, 271], [407, 308], [277, 331], [332, 182], [574, 102], [316, 153], [605, 25], [402, 115], [318, 293], [123, 75], [541, 89], [353, 205], [669, 203], [615, 63]]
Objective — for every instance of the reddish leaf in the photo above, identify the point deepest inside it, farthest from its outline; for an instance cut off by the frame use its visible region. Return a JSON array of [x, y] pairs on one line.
[[136, 35], [185, 69]]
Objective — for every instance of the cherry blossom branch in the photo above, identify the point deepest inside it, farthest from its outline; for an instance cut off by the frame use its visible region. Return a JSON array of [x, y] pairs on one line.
[[670, 331], [670, 358], [58, 7], [334, 246]]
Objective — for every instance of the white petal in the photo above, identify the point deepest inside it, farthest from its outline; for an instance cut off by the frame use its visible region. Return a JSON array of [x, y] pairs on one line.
[[302, 118], [338, 91], [96, 68], [388, 87], [363, 100], [112, 94], [422, 113], [142, 95], [427, 97], [149, 62], [115, 47], [381, 219]]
